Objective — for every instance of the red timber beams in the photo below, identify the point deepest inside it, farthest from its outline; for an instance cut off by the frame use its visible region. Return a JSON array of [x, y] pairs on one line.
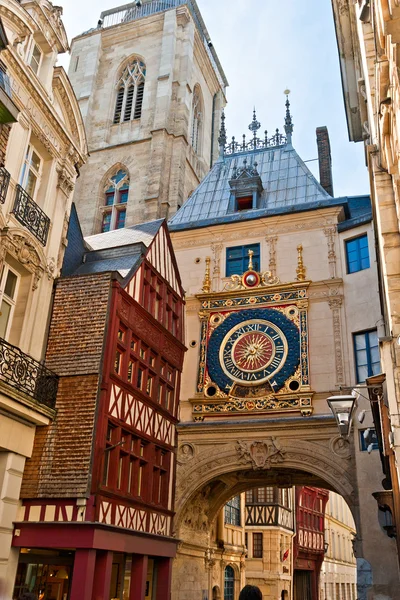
[[134, 464], [92, 536]]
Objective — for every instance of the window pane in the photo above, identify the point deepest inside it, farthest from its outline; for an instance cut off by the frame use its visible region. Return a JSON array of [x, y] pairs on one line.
[[106, 222], [109, 198], [121, 219], [360, 342], [357, 254], [35, 161], [31, 183], [4, 317], [11, 282]]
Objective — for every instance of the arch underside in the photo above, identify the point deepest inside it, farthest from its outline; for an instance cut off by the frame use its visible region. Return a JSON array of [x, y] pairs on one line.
[[217, 472]]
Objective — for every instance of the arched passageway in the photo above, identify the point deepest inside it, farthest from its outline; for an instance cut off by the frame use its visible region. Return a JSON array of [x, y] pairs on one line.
[[211, 471]]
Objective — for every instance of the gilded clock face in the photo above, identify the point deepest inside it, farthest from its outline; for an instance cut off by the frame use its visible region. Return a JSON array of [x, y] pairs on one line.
[[252, 348], [253, 351]]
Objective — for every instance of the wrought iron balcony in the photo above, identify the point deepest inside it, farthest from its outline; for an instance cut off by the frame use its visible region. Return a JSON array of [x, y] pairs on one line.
[[4, 181], [28, 213], [26, 375]]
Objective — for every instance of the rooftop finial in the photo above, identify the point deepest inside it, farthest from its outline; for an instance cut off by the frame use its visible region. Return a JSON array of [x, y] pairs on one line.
[[288, 119], [222, 135], [254, 127]]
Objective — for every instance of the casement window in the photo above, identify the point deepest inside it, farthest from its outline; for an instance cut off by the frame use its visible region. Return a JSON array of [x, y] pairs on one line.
[[142, 367], [31, 172], [9, 282], [115, 200], [197, 120], [257, 545], [357, 254], [36, 59], [229, 583], [232, 511], [368, 439], [366, 352], [130, 93], [260, 496], [237, 259]]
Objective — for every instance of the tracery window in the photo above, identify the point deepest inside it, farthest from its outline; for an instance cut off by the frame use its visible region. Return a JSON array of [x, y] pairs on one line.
[[115, 200], [197, 120], [130, 91]]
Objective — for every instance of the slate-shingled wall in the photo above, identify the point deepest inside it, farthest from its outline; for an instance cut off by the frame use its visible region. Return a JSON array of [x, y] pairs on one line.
[[61, 460]]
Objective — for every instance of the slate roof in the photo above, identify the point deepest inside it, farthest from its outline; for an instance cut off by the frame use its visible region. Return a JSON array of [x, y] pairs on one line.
[[119, 251], [286, 181], [289, 186], [143, 233]]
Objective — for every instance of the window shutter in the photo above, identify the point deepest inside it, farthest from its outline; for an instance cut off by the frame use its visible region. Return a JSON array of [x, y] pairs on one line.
[[139, 101], [129, 102], [118, 105]]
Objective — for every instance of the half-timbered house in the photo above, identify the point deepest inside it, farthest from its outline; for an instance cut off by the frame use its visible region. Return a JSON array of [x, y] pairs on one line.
[[98, 492]]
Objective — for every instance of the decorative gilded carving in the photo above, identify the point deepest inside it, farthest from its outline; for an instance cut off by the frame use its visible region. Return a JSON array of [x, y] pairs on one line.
[[301, 270], [271, 241], [207, 278], [261, 454]]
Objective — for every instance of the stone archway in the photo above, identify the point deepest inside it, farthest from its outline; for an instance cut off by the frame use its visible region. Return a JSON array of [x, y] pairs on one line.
[[219, 461], [211, 471]]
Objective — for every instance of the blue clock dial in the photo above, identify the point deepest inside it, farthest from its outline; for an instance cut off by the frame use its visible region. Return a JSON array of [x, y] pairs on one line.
[[252, 347]]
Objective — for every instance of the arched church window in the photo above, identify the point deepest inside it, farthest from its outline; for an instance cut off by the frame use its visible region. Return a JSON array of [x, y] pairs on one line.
[[130, 92], [229, 583], [116, 193], [197, 120]]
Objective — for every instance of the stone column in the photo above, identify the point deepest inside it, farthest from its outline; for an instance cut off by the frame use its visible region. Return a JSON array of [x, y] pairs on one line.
[[11, 471]]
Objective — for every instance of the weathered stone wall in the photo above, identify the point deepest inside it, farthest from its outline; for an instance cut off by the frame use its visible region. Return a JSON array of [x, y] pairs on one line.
[[155, 149]]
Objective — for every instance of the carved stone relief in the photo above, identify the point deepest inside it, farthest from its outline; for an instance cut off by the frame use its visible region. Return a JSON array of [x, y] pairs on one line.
[[261, 454], [330, 233], [271, 241], [335, 303]]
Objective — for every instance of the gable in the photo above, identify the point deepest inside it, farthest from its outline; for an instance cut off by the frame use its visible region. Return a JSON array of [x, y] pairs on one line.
[[160, 255]]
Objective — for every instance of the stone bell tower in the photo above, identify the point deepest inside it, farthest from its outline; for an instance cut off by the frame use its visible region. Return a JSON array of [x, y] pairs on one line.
[[151, 90]]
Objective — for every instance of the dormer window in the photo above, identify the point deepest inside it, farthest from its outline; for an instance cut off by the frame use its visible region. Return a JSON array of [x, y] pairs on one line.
[[244, 203], [246, 187], [36, 59]]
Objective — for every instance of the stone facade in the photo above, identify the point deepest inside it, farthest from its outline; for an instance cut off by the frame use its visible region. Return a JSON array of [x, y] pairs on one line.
[[42, 147], [368, 37], [237, 444], [339, 572], [167, 146]]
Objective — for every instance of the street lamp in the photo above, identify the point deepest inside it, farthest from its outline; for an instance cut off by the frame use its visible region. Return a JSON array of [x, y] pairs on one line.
[[342, 408]]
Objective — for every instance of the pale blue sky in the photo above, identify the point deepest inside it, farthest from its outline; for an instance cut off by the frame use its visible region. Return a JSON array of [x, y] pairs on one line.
[[266, 46]]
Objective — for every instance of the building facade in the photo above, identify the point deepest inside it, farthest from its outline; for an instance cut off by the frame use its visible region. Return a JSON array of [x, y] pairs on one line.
[[338, 572], [42, 147], [282, 305], [309, 549], [151, 89], [368, 36], [98, 491]]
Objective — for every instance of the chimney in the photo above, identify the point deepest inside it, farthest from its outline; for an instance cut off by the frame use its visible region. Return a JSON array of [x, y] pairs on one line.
[[324, 159]]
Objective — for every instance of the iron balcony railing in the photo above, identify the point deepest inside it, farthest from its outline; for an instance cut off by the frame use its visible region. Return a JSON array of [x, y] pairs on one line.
[[5, 81], [133, 12], [28, 213], [27, 375], [4, 181]]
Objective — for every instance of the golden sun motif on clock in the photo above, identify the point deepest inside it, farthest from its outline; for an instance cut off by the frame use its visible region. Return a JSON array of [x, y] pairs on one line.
[[253, 351]]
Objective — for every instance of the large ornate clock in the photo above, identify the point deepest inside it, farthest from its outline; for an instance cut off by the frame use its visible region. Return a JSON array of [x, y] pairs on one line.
[[254, 348]]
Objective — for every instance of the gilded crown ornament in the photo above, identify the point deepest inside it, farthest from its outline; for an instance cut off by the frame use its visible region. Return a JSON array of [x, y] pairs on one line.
[[207, 277], [301, 270]]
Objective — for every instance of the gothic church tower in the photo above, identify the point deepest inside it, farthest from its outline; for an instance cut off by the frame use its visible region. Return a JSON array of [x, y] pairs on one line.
[[151, 90]]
